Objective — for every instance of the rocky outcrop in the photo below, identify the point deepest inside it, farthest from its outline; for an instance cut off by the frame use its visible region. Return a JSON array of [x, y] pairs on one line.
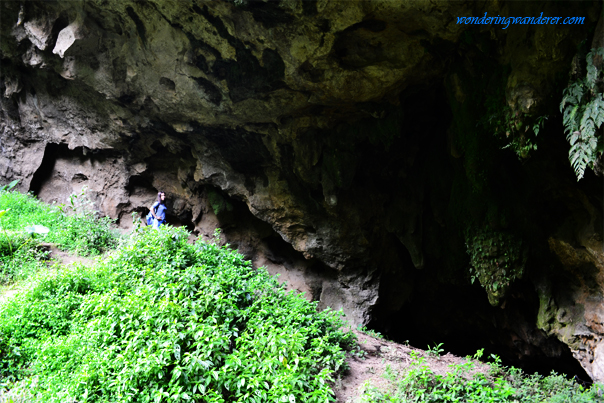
[[341, 144]]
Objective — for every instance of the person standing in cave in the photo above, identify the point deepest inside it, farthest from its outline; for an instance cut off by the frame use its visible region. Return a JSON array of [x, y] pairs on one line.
[[157, 212]]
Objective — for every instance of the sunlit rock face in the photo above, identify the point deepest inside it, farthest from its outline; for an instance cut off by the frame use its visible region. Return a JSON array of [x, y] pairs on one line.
[[332, 141]]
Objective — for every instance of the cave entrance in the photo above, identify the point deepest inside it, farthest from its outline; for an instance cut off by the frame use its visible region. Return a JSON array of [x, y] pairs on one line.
[[460, 317]]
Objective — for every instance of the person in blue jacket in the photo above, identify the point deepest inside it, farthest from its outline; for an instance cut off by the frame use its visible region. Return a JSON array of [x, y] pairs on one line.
[[158, 210]]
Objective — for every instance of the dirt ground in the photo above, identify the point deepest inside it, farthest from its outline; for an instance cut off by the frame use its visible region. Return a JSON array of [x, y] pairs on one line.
[[62, 258], [368, 369]]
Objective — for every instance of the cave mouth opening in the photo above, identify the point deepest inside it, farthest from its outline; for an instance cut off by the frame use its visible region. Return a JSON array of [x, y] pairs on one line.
[[437, 304], [468, 342], [460, 317]]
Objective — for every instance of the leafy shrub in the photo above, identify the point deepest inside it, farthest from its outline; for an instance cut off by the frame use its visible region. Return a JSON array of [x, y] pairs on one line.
[[85, 234], [161, 320]]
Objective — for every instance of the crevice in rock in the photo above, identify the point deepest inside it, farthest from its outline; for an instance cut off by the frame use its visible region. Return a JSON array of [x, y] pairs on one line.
[[45, 170], [140, 26]]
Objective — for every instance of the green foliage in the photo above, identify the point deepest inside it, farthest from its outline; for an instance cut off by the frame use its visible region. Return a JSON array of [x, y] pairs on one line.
[[25, 221], [479, 353], [74, 228], [582, 107], [496, 260], [22, 263], [467, 382], [519, 130], [161, 320], [218, 202], [85, 234]]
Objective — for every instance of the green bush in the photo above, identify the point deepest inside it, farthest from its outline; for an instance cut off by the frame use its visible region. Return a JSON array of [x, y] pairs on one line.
[[84, 234], [161, 320]]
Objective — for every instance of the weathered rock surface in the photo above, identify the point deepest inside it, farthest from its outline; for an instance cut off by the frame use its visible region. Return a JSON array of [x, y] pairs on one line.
[[333, 142]]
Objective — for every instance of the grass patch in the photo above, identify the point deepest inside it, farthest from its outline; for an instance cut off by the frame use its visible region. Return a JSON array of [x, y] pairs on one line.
[[467, 382], [80, 232], [161, 320]]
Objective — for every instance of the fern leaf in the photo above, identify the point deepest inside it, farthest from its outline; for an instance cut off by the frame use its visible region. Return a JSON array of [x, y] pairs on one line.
[[598, 112], [569, 118], [566, 118], [585, 117], [582, 108], [580, 154], [580, 160], [573, 155], [592, 75], [577, 93], [593, 143], [599, 118], [589, 57], [563, 103], [588, 129], [536, 129]]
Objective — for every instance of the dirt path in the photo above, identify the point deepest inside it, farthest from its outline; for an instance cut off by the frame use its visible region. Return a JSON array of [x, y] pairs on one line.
[[367, 367], [65, 259]]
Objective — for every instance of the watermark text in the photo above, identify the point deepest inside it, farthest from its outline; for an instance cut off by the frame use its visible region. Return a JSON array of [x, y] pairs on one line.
[[506, 21]]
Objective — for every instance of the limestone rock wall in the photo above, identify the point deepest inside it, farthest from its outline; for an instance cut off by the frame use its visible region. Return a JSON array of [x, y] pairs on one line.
[[334, 142]]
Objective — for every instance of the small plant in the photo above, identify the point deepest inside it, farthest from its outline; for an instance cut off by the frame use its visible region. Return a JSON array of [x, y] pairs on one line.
[[82, 230], [358, 352], [479, 353], [436, 350], [519, 130]]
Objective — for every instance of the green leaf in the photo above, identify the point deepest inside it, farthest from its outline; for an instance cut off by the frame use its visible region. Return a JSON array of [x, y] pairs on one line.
[[592, 75]]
